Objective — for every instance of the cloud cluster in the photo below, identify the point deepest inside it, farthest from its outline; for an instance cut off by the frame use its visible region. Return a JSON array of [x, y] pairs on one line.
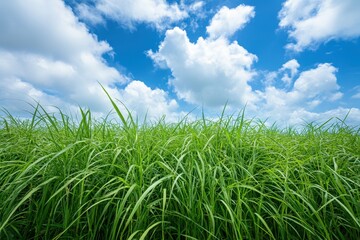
[[310, 95], [51, 55], [312, 22], [227, 21], [158, 13], [48, 56], [143, 101], [210, 72], [311, 88], [213, 71]]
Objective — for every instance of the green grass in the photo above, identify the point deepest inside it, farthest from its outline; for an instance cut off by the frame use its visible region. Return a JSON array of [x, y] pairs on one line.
[[227, 179]]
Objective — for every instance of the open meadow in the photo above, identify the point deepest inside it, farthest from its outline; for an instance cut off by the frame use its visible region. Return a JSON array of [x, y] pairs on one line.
[[226, 179]]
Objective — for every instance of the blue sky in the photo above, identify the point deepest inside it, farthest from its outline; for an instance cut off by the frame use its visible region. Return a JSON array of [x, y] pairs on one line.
[[288, 61]]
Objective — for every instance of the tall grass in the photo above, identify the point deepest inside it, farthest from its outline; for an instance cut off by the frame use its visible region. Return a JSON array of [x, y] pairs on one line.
[[227, 179]]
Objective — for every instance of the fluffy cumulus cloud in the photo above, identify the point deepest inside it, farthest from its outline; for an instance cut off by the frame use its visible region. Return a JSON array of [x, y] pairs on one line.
[[319, 83], [213, 71], [312, 22], [129, 12], [153, 103], [227, 21], [311, 88], [210, 71], [48, 56]]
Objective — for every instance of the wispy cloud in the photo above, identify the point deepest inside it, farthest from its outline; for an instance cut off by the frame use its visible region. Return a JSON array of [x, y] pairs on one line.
[[128, 13], [312, 22]]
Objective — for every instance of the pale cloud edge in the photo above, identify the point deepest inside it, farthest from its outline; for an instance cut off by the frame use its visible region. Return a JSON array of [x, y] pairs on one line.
[[227, 21]]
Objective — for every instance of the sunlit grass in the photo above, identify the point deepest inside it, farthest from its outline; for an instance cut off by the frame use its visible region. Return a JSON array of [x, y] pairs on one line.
[[227, 179]]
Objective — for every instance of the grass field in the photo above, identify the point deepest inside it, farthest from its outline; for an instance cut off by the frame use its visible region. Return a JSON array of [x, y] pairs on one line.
[[227, 179]]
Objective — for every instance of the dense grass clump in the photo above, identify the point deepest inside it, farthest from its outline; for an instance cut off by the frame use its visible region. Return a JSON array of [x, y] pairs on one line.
[[226, 179]]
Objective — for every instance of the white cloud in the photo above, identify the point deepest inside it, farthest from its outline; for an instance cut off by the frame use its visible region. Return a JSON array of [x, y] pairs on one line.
[[17, 94], [292, 66], [312, 22], [318, 82], [47, 28], [301, 116], [227, 21], [129, 12], [213, 71], [90, 14], [49, 57], [195, 7], [46, 51], [269, 78], [209, 72], [142, 100], [311, 89]]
